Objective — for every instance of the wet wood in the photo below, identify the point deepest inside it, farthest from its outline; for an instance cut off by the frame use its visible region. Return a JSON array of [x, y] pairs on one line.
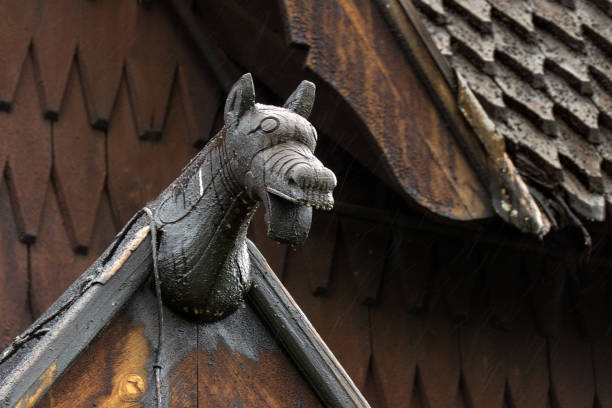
[[331, 382], [394, 361], [235, 361], [226, 377], [16, 37], [571, 370], [347, 329], [151, 67], [84, 309], [421, 154], [274, 252], [53, 263], [28, 142], [415, 355], [80, 164], [13, 275], [314, 258], [112, 372], [105, 32], [201, 95], [55, 42], [482, 345], [366, 247], [137, 171]]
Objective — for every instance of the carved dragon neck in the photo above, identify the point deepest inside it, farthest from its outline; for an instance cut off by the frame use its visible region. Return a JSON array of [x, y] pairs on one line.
[[203, 219], [263, 154]]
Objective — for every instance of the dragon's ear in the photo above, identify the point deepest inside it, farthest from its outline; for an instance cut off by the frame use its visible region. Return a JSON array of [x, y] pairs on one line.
[[302, 99], [241, 98]]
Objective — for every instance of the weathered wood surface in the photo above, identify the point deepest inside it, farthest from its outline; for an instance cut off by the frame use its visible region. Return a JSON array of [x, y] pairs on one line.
[[234, 361], [350, 328], [302, 342], [363, 73], [71, 185], [36, 359]]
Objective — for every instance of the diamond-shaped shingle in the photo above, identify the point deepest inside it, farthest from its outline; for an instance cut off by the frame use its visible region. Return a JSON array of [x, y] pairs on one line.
[[489, 94], [525, 58], [540, 147], [475, 45], [478, 12], [559, 20], [565, 62], [577, 109], [582, 155], [516, 14], [534, 104]]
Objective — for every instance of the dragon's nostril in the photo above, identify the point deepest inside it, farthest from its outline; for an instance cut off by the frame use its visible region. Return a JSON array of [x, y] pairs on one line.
[[307, 178]]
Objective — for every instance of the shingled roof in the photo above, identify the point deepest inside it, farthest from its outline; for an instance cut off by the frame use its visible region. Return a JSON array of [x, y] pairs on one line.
[[542, 71]]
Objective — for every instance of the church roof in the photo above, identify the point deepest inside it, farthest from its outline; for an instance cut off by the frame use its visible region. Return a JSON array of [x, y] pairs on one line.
[[541, 71]]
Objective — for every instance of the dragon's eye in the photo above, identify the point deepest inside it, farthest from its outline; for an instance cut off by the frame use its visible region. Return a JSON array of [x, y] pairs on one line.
[[269, 124]]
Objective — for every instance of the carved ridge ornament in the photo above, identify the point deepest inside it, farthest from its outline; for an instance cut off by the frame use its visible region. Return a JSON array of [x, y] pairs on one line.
[[263, 154]]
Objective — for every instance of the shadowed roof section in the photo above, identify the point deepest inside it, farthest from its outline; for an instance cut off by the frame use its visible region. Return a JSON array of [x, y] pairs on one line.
[[348, 50], [33, 363], [542, 72]]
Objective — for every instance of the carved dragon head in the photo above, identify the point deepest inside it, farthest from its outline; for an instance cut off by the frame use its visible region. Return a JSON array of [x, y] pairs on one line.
[[273, 148]]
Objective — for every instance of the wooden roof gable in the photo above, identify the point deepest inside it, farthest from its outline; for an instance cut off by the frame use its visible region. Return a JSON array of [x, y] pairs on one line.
[[113, 292], [539, 73]]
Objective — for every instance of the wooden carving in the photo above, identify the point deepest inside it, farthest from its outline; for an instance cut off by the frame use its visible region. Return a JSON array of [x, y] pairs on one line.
[[262, 154]]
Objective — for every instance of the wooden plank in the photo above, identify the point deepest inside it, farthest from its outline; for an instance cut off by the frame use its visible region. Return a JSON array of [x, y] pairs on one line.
[[210, 364], [240, 363], [54, 47], [315, 257], [59, 335], [338, 316], [415, 346], [113, 372], [300, 339], [602, 362], [116, 370], [362, 72], [482, 364], [28, 141], [459, 264], [351, 47], [138, 171], [150, 68], [52, 260], [79, 166], [549, 283], [394, 359], [438, 358], [14, 43], [274, 252], [483, 347], [14, 311], [520, 348], [571, 368], [106, 30], [200, 92], [366, 247]]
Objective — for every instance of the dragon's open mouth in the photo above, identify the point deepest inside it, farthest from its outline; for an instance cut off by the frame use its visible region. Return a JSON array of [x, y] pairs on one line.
[[287, 219], [318, 199]]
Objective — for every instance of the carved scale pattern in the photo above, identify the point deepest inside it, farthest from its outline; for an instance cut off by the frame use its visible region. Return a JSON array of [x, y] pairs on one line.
[[405, 330]]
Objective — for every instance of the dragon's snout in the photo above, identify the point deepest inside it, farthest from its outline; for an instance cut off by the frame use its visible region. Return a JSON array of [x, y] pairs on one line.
[[316, 184], [294, 182]]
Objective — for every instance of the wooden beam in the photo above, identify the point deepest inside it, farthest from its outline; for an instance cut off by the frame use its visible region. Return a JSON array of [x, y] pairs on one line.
[[37, 358], [31, 365], [301, 340]]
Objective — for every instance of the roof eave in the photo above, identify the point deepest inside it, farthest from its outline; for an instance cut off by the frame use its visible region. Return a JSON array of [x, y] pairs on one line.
[[511, 198]]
